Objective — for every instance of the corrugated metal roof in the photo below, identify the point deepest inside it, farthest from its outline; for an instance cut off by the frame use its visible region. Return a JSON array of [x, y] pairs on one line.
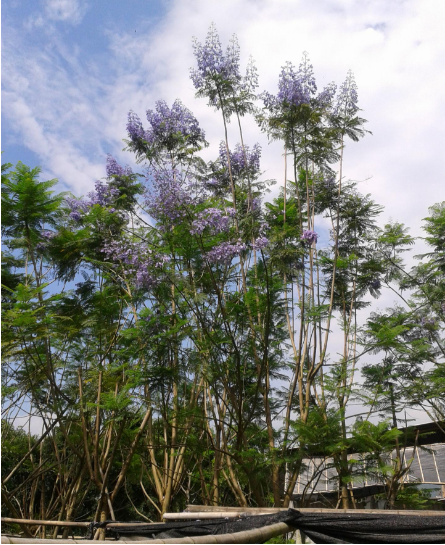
[[426, 465]]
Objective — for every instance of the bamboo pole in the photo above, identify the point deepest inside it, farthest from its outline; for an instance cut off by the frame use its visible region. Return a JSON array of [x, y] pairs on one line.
[[32, 522], [203, 515], [195, 510]]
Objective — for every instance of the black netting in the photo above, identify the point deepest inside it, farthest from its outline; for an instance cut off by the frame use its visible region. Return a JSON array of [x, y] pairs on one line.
[[372, 528], [320, 527], [203, 527]]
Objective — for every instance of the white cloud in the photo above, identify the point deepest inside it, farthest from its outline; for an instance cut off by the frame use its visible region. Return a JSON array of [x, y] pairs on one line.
[[65, 11]]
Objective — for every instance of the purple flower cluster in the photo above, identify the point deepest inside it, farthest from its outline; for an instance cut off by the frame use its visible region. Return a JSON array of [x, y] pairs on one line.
[[297, 87], [260, 243], [78, 207], [134, 127], [217, 220], [219, 73], [139, 260], [213, 182], [347, 99], [213, 62], [225, 252], [294, 87], [165, 125], [309, 237], [166, 122], [114, 169], [256, 203], [326, 97], [238, 158], [103, 195], [169, 196]]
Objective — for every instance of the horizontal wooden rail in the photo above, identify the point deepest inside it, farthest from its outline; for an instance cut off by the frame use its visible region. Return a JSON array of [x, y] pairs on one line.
[[32, 522], [193, 509], [73, 524]]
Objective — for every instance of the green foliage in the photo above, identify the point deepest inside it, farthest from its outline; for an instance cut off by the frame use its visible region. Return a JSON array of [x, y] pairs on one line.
[[411, 497], [27, 206]]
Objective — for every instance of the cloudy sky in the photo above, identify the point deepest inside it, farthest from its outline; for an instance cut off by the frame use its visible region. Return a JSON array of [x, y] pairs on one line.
[[72, 69]]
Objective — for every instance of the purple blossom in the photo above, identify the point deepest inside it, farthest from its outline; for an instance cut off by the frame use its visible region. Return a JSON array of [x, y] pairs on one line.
[[263, 227], [260, 243], [269, 100], [326, 97], [216, 220], [48, 235], [347, 99], [134, 128], [297, 87], [114, 169], [294, 87], [238, 159], [78, 207], [75, 215], [139, 260], [219, 73], [103, 195], [225, 252], [169, 196], [309, 237], [167, 123], [213, 62], [256, 203]]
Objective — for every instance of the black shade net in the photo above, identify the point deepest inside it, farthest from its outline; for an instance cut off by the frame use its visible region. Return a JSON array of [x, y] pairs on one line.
[[320, 527]]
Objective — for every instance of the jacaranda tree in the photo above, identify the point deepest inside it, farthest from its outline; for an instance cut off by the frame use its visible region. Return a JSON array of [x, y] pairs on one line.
[[172, 329]]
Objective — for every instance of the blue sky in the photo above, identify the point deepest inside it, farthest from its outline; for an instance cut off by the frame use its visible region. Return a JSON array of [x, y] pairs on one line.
[[48, 40]]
